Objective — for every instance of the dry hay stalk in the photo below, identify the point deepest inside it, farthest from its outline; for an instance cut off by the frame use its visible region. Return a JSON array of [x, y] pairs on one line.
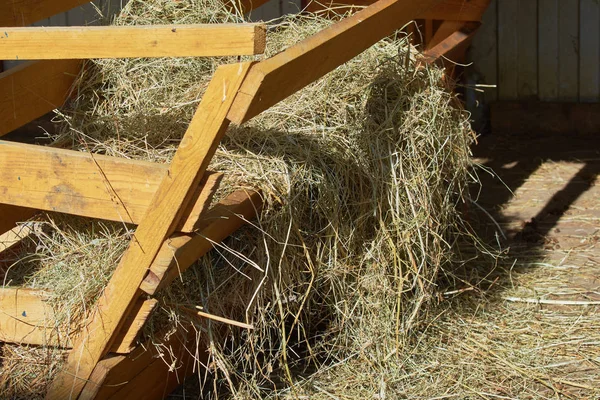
[[362, 173]]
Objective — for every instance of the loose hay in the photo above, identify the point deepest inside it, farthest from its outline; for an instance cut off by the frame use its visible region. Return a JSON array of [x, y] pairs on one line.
[[362, 173]]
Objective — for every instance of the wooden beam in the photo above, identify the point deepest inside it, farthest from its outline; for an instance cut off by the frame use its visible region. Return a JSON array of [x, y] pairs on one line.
[[445, 29], [452, 48], [33, 89], [460, 10], [145, 371], [278, 77], [180, 251], [173, 195], [15, 236], [26, 12], [27, 318], [202, 40], [95, 186]]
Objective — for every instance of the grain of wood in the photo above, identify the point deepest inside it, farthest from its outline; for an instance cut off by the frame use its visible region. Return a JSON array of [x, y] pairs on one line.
[[33, 89], [202, 40], [26, 12], [95, 186], [180, 251], [125, 341], [185, 172], [276, 78]]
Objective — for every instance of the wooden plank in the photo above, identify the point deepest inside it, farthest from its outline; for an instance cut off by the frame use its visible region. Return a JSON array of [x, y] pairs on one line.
[[459, 10], [568, 50], [95, 186], [33, 89], [180, 251], [27, 318], [548, 49], [445, 29], [15, 236], [201, 40], [453, 47], [589, 52], [185, 172], [125, 342], [527, 62], [276, 78], [546, 117], [508, 40], [26, 12], [117, 373]]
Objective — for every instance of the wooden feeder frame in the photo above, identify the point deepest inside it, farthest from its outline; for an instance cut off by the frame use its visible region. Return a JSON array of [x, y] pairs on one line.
[[169, 204]]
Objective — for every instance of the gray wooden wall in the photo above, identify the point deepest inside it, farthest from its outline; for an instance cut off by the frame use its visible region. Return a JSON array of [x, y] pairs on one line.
[[546, 50]]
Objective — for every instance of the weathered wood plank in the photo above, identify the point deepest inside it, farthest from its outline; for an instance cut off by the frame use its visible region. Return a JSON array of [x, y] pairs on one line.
[[508, 40], [95, 186], [568, 50], [548, 49], [527, 62], [26, 317], [445, 29], [15, 236], [276, 78], [180, 251], [26, 12], [52, 43], [125, 342], [458, 10], [453, 47], [173, 195], [589, 51], [33, 89]]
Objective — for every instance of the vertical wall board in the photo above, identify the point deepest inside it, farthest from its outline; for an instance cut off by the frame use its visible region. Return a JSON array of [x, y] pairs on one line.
[[527, 61], [508, 49], [484, 52], [291, 6], [268, 11], [548, 50], [568, 50], [589, 54]]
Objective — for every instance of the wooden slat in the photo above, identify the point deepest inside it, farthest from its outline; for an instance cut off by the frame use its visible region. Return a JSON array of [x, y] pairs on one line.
[[52, 43], [278, 77], [95, 186], [202, 198], [173, 195], [459, 10], [27, 318], [15, 236], [568, 50], [548, 49], [508, 39], [180, 251], [589, 51], [26, 12], [445, 29], [11, 215], [34, 89], [115, 376], [453, 47], [527, 62], [125, 342]]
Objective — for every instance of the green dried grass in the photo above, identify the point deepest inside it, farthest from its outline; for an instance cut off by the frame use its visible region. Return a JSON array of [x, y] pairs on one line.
[[362, 173]]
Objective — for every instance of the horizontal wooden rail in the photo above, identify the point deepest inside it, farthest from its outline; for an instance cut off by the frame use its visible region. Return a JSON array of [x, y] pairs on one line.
[[26, 12], [278, 77], [83, 184], [452, 47], [44, 43], [33, 89], [459, 10], [26, 317]]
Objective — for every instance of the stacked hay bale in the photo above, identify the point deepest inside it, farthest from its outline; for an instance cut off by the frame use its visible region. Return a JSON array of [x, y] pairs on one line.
[[361, 174]]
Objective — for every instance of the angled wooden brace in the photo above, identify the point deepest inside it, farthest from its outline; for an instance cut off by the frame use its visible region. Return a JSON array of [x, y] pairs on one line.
[[174, 192]]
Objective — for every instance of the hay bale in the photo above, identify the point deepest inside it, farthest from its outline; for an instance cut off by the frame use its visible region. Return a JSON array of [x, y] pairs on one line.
[[361, 173]]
